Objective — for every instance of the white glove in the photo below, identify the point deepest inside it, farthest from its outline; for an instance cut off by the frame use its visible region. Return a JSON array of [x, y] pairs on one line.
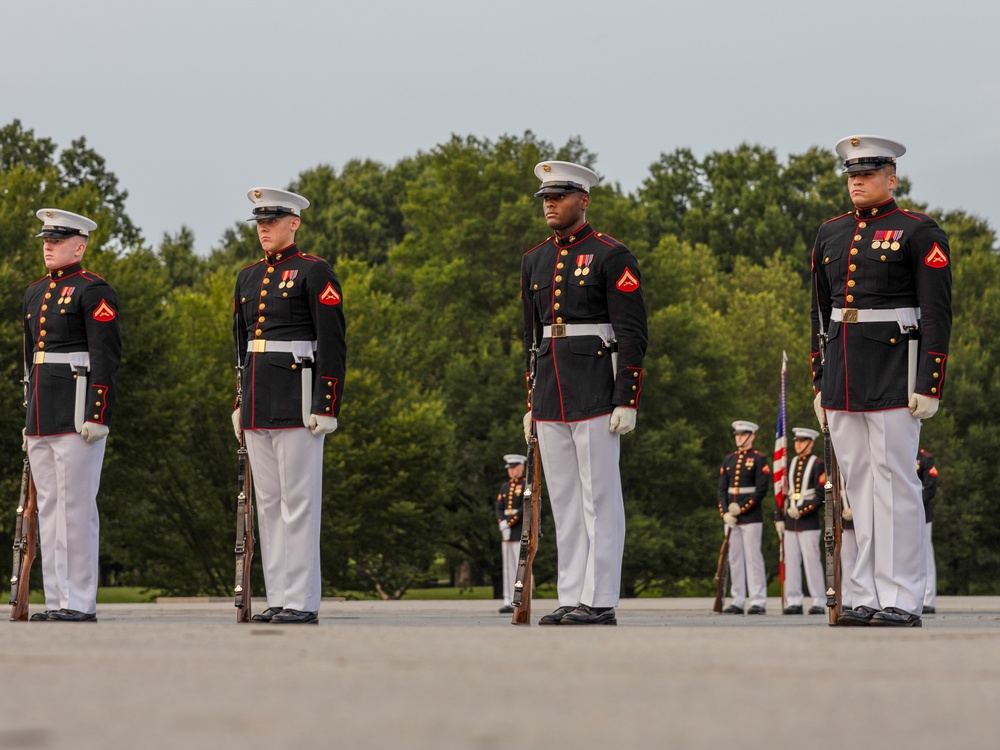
[[923, 407], [779, 526], [729, 519], [320, 425], [735, 509], [820, 411], [236, 424], [622, 420], [793, 511], [92, 432], [845, 513], [526, 423], [24, 439], [504, 530]]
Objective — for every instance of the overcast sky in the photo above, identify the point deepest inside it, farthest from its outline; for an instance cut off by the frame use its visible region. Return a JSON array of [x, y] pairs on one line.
[[192, 103]]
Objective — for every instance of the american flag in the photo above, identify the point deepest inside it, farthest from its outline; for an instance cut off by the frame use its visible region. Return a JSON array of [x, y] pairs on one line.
[[781, 442]]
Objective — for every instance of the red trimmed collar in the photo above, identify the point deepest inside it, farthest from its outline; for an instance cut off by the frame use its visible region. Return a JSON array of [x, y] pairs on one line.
[[569, 239], [59, 273], [875, 212], [273, 259]]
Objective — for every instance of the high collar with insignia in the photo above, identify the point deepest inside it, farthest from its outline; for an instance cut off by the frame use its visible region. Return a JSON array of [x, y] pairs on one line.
[[875, 212]]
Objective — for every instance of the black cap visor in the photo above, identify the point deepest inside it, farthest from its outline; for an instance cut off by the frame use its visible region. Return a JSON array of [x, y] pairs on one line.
[[270, 212], [59, 233], [560, 188], [867, 164]]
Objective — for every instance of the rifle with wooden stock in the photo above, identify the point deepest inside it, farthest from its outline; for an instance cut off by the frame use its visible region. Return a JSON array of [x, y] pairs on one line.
[[521, 600], [244, 519], [831, 495], [722, 573], [832, 526], [25, 545], [26, 525]]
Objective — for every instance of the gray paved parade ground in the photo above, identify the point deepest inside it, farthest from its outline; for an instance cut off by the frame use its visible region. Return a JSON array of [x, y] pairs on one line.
[[427, 674]]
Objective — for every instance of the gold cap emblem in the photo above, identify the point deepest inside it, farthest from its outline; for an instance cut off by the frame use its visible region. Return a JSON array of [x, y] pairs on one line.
[[256, 193], [546, 167], [855, 142], [48, 214]]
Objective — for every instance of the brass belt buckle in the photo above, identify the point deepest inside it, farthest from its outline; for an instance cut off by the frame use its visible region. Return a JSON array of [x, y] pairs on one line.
[[849, 315], [39, 358], [258, 346], [559, 330]]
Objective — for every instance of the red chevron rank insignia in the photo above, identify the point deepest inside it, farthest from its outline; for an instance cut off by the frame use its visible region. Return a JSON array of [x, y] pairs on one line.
[[104, 312], [627, 282], [936, 257], [329, 295]]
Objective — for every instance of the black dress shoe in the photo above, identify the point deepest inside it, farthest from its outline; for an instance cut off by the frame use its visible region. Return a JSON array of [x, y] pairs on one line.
[[585, 615], [757, 610], [816, 610], [928, 611], [555, 618], [895, 617], [860, 616], [41, 616], [266, 615], [71, 615], [506, 610], [732, 609], [295, 617], [795, 609]]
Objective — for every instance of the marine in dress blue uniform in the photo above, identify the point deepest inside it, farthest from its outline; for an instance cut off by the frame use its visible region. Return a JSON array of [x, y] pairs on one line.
[[509, 505], [744, 479], [72, 344], [882, 300], [927, 473], [583, 305], [289, 327], [801, 523]]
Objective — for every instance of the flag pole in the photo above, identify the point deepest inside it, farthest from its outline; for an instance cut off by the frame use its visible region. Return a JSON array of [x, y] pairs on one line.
[[780, 472]]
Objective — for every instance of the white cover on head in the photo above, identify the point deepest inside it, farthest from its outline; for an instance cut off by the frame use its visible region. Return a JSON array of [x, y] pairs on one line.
[[55, 217], [804, 433], [275, 198], [513, 459], [562, 172], [741, 425], [870, 149]]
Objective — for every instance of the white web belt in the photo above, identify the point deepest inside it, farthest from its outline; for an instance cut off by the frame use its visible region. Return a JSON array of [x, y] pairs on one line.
[[563, 330], [906, 317], [299, 349]]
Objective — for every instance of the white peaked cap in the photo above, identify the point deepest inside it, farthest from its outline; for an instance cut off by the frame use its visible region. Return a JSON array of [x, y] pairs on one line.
[[564, 177], [270, 203], [59, 224]]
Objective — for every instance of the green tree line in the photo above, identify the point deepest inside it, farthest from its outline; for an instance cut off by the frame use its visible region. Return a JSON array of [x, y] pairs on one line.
[[428, 251]]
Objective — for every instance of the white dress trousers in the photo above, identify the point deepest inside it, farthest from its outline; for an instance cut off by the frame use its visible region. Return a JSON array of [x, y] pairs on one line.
[[509, 552], [875, 450], [746, 566], [802, 550], [848, 559], [930, 588], [580, 461], [67, 474], [287, 467]]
